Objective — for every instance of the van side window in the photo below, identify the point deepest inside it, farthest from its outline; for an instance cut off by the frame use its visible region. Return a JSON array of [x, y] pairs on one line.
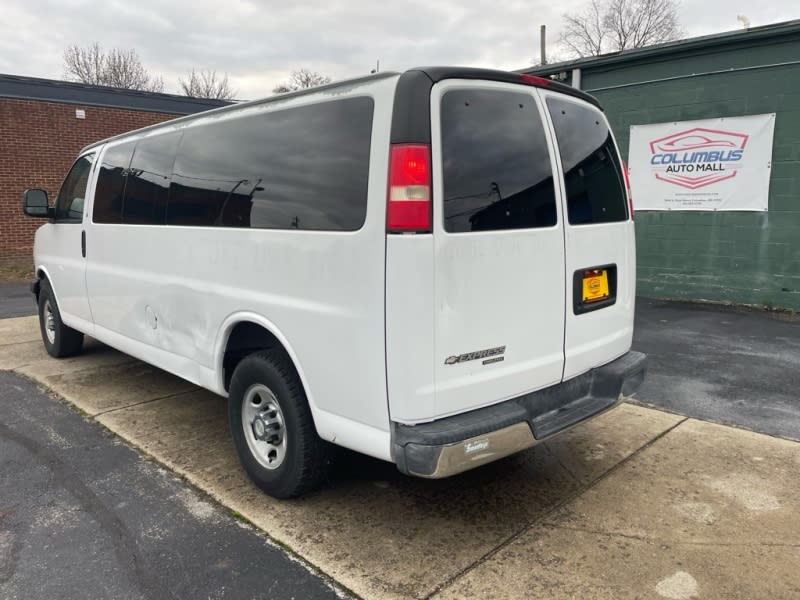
[[148, 178], [110, 192], [299, 168], [496, 166], [71, 196], [592, 173]]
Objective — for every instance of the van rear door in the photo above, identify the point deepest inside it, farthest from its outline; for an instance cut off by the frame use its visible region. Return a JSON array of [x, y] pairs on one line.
[[498, 246], [599, 236]]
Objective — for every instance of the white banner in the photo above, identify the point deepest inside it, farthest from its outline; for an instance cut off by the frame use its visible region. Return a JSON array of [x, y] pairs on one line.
[[713, 164]]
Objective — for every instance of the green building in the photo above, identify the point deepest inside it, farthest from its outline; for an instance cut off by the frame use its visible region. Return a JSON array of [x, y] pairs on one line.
[[737, 257]]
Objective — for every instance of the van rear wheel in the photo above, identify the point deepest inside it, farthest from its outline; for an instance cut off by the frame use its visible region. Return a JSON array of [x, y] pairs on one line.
[[59, 340], [272, 427]]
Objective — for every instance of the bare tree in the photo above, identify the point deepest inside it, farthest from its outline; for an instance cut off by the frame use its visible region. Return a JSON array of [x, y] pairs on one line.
[[301, 80], [206, 84], [615, 25], [115, 68], [584, 32]]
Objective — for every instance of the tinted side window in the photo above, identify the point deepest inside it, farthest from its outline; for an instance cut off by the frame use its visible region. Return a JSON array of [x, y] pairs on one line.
[[148, 179], [592, 173], [110, 192], [71, 196], [300, 168], [497, 172]]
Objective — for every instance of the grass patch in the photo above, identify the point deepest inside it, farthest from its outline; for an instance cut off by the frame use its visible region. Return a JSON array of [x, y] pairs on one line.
[[16, 272], [241, 518]]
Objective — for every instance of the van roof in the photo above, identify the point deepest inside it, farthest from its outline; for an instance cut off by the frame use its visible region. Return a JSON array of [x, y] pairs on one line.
[[437, 74], [431, 75]]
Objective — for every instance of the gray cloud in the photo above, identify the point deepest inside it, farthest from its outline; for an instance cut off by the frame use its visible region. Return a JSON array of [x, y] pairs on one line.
[[259, 42]]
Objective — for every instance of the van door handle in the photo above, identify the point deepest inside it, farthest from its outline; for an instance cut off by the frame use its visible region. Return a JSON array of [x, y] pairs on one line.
[[83, 243]]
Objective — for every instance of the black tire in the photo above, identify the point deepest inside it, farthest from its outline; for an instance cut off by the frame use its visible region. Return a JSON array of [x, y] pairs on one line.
[[305, 457], [65, 340]]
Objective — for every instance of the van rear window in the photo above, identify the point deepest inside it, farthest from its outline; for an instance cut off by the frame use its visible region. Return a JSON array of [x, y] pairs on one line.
[[592, 173], [496, 167]]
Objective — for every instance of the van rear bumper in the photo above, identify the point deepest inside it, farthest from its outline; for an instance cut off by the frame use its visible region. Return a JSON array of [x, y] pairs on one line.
[[461, 442]]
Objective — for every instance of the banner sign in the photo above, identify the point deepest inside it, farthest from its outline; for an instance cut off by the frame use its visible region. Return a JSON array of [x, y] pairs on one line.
[[713, 164]]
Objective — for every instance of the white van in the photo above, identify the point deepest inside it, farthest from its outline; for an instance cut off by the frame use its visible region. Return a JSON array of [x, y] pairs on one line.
[[434, 268]]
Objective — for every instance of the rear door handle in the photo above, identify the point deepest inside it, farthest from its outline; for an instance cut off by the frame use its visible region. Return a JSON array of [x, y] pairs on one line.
[[83, 243]]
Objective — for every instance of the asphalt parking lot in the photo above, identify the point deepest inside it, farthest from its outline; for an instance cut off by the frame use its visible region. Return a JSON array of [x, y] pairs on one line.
[[82, 515], [736, 366], [648, 501], [15, 300]]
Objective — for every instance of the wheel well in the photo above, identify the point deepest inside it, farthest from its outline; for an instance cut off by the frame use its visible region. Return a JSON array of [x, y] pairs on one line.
[[40, 277], [246, 338]]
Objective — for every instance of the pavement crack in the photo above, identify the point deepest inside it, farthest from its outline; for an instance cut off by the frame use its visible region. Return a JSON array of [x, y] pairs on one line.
[[76, 368], [541, 519], [19, 342], [743, 545], [148, 401], [650, 540], [561, 464], [627, 536]]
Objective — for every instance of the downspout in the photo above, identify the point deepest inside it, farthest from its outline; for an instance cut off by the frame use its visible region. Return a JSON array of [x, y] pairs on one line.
[[576, 78]]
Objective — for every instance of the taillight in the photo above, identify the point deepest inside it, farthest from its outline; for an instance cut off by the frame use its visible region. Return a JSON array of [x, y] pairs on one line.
[[628, 187], [408, 206]]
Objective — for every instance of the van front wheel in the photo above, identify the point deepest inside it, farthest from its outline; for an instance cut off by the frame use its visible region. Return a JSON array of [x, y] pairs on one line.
[[272, 427], [59, 340]]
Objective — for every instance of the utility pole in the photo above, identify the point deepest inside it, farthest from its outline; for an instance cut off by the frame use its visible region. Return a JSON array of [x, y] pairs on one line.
[[542, 44]]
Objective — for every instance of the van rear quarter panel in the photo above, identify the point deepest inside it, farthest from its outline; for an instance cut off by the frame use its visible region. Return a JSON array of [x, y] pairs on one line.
[[410, 326], [322, 291]]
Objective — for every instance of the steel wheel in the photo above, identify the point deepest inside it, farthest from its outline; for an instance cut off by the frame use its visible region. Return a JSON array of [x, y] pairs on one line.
[[272, 426], [59, 339], [49, 322], [264, 426]]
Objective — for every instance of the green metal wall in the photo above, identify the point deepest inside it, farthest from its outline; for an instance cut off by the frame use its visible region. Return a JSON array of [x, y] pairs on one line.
[[739, 257]]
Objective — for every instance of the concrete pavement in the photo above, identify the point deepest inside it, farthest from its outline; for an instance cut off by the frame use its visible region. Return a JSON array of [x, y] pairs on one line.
[[705, 511], [639, 503]]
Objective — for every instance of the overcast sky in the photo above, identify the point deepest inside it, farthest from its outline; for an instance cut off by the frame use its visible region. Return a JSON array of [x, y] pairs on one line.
[[259, 42]]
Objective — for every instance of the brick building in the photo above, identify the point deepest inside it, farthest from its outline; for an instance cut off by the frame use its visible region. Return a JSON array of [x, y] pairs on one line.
[[43, 125], [738, 257]]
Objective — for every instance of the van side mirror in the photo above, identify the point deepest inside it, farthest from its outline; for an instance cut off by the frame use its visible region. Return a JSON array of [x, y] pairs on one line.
[[34, 203]]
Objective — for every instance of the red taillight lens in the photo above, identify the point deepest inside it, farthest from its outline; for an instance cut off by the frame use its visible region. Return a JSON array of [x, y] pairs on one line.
[[628, 187], [408, 206], [534, 80]]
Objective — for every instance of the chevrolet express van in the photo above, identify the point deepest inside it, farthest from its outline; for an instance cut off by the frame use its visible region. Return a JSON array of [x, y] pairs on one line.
[[434, 268]]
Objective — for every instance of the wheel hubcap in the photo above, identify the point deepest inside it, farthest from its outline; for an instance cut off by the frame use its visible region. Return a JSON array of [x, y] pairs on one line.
[[264, 426], [49, 322]]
